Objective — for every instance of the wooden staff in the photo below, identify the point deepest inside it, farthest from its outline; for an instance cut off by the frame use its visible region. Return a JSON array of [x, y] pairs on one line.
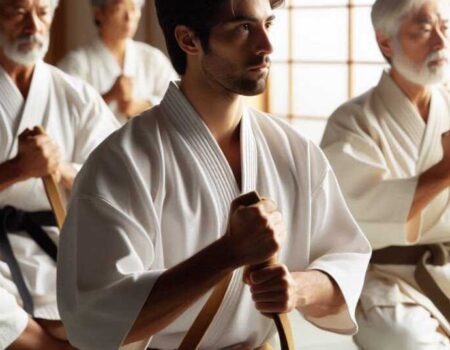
[[53, 194]]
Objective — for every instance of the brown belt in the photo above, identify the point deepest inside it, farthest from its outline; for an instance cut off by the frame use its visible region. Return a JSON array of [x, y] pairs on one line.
[[195, 334], [421, 256]]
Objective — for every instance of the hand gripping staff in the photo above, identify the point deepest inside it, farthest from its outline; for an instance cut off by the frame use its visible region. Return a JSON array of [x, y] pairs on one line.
[[52, 191], [198, 329]]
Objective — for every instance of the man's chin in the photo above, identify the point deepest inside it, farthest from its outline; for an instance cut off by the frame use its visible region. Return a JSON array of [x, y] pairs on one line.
[[252, 87], [29, 58]]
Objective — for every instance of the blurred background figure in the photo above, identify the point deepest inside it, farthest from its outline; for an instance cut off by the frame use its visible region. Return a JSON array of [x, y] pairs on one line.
[[76, 120], [131, 76]]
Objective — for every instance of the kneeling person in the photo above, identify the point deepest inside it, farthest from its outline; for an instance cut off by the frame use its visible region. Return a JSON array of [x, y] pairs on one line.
[[394, 168], [149, 229], [76, 120]]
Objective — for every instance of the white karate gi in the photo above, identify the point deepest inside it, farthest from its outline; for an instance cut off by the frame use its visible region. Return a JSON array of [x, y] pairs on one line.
[[150, 70], [160, 189], [13, 319], [77, 120], [378, 145]]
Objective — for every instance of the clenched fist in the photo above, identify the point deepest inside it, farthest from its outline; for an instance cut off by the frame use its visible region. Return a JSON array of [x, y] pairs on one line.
[[255, 232], [37, 155]]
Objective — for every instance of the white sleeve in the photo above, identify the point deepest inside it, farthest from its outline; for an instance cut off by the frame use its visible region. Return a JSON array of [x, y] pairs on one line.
[[13, 319], [379, 202], [108, 258], [105, 273], [339, 249], [73, 64]]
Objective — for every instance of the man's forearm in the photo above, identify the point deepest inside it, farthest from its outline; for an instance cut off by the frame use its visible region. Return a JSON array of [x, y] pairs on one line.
[[318, 295], [431, 183], [10, 173], [179, 287]]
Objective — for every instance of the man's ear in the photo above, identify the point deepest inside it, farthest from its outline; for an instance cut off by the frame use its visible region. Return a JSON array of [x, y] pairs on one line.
[[386, 44], [98, 15], [187, 40]]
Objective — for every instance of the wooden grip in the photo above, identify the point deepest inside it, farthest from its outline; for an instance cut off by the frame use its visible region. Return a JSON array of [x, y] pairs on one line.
[[53, 194], [199, 327], [281, 320]]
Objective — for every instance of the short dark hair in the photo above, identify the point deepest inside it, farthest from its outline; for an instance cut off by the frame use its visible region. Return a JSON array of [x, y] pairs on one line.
[[198, 15]]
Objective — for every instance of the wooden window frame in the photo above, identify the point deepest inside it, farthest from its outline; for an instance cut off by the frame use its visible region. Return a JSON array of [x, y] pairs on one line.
[[350, 63]]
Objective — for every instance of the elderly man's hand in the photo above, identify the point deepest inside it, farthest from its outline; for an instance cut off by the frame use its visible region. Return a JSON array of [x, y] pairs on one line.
[[38, 155]]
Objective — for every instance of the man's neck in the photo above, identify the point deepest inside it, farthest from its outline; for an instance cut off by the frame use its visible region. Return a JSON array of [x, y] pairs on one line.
[[116, 46], [220, 110], [420, 96], [21, 75]]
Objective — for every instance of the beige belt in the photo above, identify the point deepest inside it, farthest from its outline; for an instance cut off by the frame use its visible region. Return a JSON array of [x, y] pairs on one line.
[[421, 256]]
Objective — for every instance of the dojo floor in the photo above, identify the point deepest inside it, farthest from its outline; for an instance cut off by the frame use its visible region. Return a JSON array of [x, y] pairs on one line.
[[308, 337]]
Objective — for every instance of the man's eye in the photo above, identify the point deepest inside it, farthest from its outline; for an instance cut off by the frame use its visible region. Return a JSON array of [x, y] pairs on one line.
[[44, 11], [269, 25], [17, 11], [245, 26]]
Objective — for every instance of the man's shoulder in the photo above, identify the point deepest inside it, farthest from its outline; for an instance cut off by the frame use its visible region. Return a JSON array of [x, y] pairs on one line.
[[358, 109], [70, 85], [77, 56], [275, 126], [147, 49]]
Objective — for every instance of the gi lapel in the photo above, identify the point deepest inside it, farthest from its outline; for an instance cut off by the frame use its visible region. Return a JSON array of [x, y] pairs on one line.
[[438, 122], [405, 122], [129, 64], [36, 103], [219, 175], [203, 145], [108, 63], [11, 103]]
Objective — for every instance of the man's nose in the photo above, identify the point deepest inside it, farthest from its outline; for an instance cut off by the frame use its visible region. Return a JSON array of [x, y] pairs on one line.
[[264, 43], [440, 39], [31, 25]]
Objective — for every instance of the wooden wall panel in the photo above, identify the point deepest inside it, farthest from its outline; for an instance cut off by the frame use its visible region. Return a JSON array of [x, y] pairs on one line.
[[57, 47]]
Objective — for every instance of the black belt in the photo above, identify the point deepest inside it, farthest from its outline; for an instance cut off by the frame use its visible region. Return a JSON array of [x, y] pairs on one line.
[[13, 220]]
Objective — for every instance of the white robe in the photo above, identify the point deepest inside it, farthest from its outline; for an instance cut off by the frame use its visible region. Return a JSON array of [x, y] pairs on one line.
[[159, 190], [13, 319], [77, 120], [150, 70], [378, 145]]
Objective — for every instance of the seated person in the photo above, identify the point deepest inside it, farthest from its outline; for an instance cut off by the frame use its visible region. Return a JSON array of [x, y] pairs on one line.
[[142, 247], [131, 76], [76, 120], [390, 150]]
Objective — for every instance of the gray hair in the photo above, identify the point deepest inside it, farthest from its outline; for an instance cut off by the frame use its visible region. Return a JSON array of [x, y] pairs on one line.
[[100, 3], [53, 3], [387, 15]]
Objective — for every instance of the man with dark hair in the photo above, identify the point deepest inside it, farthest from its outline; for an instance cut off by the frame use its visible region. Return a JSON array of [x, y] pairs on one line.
[[150, 231]]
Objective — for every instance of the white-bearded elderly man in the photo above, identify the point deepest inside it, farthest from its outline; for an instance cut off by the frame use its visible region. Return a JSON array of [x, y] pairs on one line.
[[76, 120], [131, 76], [390, 149]]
